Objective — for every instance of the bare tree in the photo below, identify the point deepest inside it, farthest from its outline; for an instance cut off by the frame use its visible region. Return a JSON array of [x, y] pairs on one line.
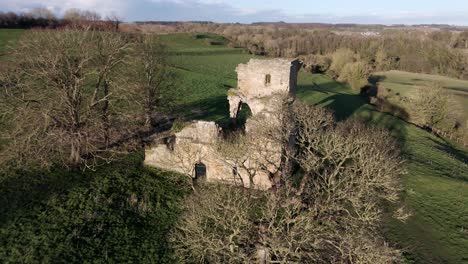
[[115, 20], [153, 79], [330, 216], [59, 101], [236, 149], [75, 14], [186, 155], [111, 52], [42, 13], [265, 146], [216, 227]]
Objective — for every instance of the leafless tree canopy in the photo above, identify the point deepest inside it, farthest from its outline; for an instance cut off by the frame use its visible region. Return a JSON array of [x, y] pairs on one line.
[[328, 213], [68, 96], [152, 79]]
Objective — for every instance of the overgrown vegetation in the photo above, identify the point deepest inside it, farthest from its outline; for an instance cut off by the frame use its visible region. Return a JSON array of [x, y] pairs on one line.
[[73, 101], [122, 212], [330, 216]]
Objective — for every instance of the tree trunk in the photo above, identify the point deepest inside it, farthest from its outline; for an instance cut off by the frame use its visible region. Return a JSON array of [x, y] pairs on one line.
[[75, 153], [303, 184], [105, 115], [149, 111]]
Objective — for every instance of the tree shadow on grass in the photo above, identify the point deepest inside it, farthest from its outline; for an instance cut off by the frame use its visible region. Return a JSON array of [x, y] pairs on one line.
[[396, 126], [74, 216], [451, 150], [343, 105], [21, 189], [209, 109], [375, 79], [337, 98]]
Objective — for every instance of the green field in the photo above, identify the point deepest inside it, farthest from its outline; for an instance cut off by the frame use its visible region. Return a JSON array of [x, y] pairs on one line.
[[404, 83], [205, 73], [7, 37], [436, 185]]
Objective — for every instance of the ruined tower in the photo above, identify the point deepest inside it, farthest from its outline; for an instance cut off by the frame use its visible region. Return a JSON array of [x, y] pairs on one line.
[[262, 84], [261, 80]]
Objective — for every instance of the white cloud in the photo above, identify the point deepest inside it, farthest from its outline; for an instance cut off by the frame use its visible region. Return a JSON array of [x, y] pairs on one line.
[[224, 11], [192, 1], [103, 7]]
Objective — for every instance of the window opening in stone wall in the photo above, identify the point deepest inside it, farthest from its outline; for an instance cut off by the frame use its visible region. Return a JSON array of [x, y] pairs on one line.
[[200, 172], [267, 79]]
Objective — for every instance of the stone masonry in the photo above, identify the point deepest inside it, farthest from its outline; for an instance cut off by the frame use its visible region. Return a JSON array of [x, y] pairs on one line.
[[262, 83]]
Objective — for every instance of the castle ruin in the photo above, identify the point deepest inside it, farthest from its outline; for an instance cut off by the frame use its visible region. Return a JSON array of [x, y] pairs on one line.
[[262, 85]]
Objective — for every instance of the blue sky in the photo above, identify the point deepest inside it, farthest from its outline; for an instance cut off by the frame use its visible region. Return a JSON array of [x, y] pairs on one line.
[[246, 11]]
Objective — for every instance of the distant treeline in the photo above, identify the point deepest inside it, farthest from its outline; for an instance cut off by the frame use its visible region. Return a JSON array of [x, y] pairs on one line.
[[420, 50], [44, 18], [25, 20], [170, 23]]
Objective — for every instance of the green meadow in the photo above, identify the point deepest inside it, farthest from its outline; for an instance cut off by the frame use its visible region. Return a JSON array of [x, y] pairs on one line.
[[435, 186], [403, 83], [436, 183], [8, 37]]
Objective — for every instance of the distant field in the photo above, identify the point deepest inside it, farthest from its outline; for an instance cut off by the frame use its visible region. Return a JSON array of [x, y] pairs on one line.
[[8, 36], [436, 186], [404, 82], [198, 43]]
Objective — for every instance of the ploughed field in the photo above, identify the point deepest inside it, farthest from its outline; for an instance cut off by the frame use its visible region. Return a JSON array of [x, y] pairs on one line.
[[436, 185]]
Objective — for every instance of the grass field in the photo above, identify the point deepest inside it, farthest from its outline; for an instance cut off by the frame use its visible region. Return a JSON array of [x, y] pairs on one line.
[[404, 83], [436, 185], [204, 73], [7, 37]]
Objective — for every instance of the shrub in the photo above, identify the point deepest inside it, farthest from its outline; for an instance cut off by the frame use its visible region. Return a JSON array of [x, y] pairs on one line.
[[178, 125], [356, 74], [340, 59], [317, 63], [435, 108]]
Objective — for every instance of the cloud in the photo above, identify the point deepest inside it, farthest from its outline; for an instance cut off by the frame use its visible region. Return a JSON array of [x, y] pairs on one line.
[[199, 10], [223, 11], [104, 7], [452, 18]]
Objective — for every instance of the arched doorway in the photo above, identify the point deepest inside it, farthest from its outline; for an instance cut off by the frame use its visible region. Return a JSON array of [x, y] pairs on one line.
[[200, 172], [243, 114]]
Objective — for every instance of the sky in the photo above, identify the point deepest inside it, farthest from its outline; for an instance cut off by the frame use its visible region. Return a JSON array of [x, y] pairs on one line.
[[453, 12]]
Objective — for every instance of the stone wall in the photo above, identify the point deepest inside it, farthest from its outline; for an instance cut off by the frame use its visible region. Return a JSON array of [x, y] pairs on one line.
[[260, 81], [252, 77], [262, 85]]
